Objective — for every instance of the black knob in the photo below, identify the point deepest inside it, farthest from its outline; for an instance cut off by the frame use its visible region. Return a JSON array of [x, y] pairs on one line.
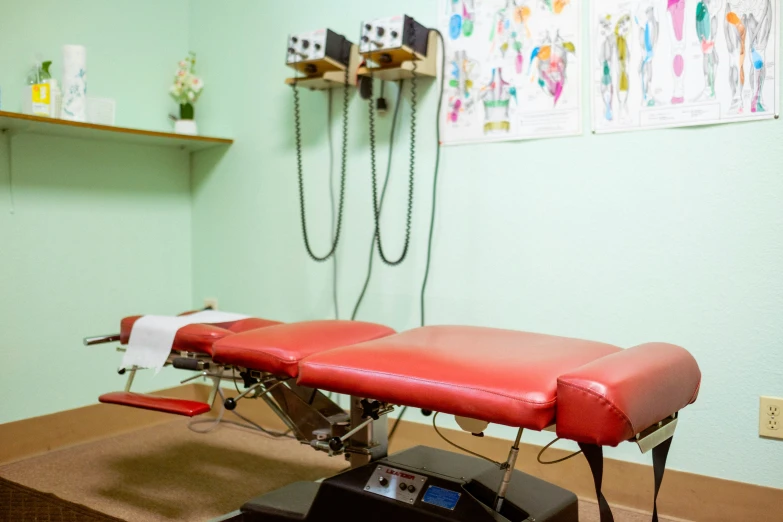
[[335, 444], [317, 47], [291, 50], [365, 39], [294, 39], [305, 44], [395, 34], [121, 371], [426, 413], [403, 486], [412, 489], [230, 404], [367, 26], [383, 481], [381, 31]]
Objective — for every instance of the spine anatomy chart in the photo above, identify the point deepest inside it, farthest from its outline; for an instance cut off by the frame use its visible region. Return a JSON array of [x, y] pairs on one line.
[[513, 69], [672, 63]]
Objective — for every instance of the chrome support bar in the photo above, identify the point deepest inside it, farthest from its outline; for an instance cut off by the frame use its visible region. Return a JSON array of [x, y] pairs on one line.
[[131, 375], [213, 392], [509, 467], [101, 339], [203, 373]]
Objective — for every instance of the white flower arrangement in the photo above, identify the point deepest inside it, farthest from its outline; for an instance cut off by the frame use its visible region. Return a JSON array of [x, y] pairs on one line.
[[187, 86]]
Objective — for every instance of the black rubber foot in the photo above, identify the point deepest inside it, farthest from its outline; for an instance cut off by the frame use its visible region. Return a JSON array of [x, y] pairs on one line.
[[230, 404]]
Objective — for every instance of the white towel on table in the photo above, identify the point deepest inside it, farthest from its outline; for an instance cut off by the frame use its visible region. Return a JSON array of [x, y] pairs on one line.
[[152, 336]]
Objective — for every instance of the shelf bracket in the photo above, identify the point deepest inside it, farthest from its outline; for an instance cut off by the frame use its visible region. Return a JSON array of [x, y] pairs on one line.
[[8, 134]]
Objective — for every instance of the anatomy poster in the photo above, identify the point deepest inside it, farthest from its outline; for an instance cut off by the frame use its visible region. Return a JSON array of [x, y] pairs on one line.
[[672, 63], [512, 69]]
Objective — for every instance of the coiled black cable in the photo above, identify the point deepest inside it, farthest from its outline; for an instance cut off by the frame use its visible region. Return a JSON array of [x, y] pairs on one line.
[[411, 168], [392, 134], [343, 169]]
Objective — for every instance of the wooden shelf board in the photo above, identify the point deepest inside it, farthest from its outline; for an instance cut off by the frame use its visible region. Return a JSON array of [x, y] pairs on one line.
[[17, 122]]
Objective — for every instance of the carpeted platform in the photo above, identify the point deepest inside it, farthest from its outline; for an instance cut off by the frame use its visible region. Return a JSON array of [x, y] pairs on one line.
[[167, 473], [22, 504]]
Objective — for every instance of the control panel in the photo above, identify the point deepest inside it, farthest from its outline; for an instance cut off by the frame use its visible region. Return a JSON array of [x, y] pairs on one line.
[[386, 34], [396, 484], [318, 45]]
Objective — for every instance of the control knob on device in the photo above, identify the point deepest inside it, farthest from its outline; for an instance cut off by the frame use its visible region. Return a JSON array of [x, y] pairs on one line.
[[403, 486], [383, 481]]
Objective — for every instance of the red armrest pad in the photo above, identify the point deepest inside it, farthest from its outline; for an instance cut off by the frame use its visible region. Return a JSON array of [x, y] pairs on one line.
[[615, 397]]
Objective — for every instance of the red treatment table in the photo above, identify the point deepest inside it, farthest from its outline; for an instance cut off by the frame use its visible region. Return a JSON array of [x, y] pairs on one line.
[[594, 393]]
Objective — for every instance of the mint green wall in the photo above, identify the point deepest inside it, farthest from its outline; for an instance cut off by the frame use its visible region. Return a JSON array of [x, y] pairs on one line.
[[672, 235], [132, 50], [100, 230]]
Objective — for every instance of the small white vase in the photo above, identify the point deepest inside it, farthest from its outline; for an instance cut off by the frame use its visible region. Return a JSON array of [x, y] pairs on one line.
[[186, 127]]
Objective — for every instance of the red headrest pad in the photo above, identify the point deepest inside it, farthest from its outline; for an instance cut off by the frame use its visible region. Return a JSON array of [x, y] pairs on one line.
[[615, 397]]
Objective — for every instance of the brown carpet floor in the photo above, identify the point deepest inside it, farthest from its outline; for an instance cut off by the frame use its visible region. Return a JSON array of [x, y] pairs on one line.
[[22, 504], [167, 472]]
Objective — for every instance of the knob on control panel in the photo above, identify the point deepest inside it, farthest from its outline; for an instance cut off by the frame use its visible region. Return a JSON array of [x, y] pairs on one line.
[[383, 481], [403, 486]]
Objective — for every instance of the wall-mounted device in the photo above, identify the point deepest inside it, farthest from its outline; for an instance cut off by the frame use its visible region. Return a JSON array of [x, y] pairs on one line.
[[327, 60], [322, 56], [394, 49], [393, 45], [401, 33]]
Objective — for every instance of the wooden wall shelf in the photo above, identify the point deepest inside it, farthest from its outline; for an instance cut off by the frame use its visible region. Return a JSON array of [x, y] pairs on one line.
[[16, 122]]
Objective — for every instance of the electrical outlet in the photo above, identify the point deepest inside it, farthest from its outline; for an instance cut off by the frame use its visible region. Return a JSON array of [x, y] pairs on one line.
[[211, 303], [771, 418]]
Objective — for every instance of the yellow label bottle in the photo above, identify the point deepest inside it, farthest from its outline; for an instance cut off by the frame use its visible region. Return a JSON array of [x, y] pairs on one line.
[[42, 99]]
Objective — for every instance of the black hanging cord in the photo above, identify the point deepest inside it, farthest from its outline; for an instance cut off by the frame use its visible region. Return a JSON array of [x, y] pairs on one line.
[[343, 165], [435, 177], [383, 197], [331, 199], [411, 168]]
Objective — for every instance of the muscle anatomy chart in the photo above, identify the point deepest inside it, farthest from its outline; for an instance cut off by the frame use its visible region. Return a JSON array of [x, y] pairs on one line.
[[512, 69], [671, 63]]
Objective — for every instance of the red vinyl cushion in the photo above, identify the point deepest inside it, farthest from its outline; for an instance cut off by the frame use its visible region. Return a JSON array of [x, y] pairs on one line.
[[499, 376], [279, 349], [612, 399], [151, 402], [198, 338]]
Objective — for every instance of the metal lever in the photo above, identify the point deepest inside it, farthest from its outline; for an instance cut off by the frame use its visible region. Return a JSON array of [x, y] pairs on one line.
[[101, 339], [337, 444], [231, 403]]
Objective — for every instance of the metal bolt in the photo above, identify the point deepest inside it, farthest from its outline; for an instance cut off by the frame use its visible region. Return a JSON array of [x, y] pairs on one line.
[[367, 488]]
